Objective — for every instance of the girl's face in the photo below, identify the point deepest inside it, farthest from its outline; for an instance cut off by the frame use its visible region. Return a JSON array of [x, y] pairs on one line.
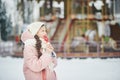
[[42, 31]]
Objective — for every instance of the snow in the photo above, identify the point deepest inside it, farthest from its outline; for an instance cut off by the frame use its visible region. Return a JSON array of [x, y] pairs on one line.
[[72, 69]]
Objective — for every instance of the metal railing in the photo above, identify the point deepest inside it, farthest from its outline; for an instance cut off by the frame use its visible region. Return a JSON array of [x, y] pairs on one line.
[[87, 47], [10, 47], [6, 48]]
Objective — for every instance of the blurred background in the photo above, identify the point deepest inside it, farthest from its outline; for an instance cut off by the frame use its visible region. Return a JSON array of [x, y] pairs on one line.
[[77, 28], [84, 33]]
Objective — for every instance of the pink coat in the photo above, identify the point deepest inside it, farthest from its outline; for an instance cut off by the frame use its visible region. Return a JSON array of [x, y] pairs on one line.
[[35, 68]]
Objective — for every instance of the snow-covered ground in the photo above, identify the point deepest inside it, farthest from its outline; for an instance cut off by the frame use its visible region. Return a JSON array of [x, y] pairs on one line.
[[73, 69]]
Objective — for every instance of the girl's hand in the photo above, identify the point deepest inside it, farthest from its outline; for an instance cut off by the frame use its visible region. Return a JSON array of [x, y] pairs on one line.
[[49, 48]]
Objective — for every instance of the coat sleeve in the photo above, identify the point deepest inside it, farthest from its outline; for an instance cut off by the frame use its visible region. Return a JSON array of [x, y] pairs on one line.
[[33, 62]]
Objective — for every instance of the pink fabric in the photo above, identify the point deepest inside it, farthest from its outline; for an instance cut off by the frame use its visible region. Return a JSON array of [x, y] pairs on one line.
[[26, 35], [33, 65], [43, 74]]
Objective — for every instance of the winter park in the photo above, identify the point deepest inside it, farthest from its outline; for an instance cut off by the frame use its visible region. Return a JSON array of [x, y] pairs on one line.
[[59, 40]]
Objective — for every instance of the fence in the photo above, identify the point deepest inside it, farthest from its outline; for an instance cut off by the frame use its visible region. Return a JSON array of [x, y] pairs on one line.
[[87, 47], [8, 48], [11, 48]]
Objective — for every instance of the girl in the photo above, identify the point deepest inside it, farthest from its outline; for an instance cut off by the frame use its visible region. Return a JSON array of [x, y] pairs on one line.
[[39, 57]]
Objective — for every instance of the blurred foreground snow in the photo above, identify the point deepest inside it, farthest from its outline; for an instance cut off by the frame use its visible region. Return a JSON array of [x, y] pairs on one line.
[[73, 69]]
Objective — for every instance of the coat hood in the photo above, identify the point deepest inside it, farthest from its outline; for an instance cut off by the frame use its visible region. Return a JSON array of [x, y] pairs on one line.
[[26, 35]]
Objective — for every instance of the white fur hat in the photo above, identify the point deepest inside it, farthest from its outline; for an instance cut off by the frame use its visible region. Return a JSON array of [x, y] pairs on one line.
[[34, 27]]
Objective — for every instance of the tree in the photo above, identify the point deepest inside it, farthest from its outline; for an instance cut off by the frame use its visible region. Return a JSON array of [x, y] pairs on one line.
[[5, 25]]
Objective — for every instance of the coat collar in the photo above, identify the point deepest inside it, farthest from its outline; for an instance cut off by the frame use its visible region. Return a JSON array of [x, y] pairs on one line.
[[32, 42]]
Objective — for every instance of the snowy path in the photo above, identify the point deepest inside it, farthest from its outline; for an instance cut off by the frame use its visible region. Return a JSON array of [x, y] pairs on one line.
[[74, 69]]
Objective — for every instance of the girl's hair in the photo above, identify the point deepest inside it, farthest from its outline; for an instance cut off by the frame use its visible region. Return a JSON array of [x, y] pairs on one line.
[[38, 45]]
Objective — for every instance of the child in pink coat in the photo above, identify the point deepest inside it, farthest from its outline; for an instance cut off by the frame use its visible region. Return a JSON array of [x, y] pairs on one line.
[[39, 57]]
